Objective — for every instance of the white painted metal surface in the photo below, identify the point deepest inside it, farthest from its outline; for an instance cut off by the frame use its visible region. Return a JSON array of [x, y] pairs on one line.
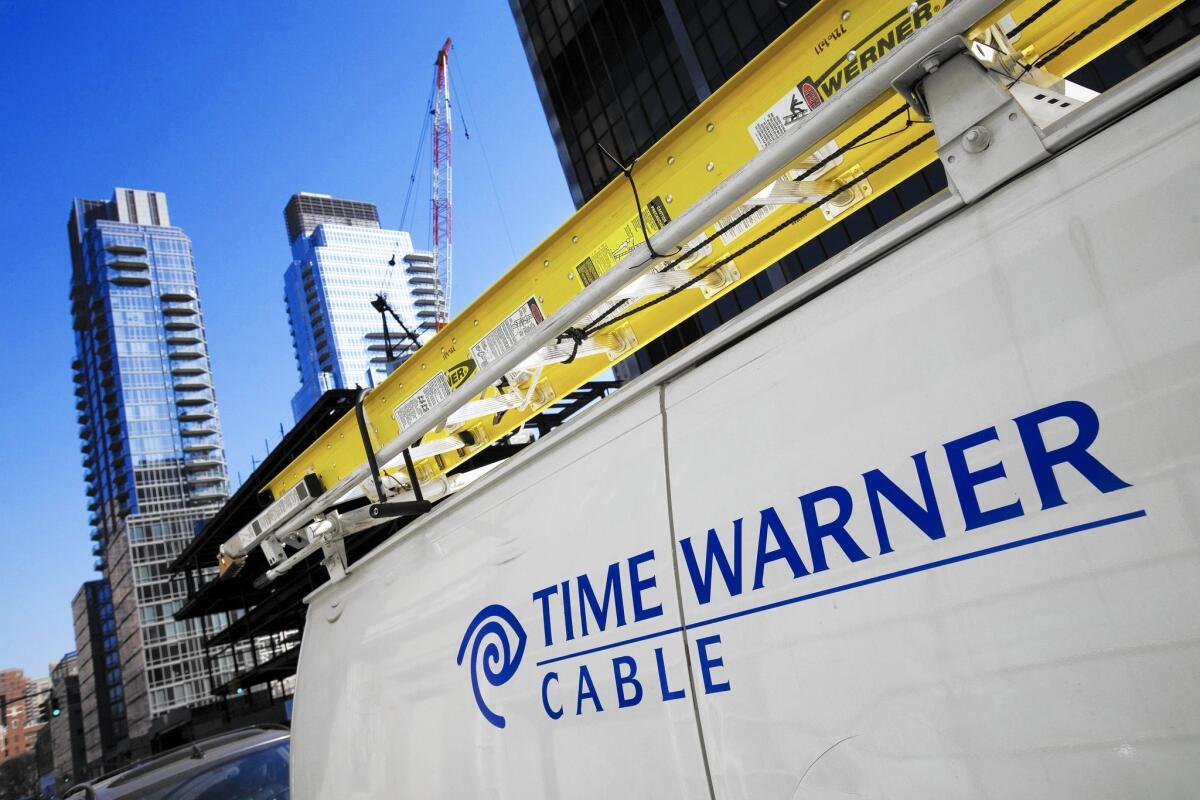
[[1046, 654]]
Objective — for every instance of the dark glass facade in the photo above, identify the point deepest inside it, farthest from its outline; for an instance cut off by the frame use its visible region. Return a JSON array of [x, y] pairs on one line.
[[622, 73]]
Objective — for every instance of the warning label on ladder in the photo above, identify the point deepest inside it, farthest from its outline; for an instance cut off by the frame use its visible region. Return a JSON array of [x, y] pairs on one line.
[[620, 243], [744, 225], [435, 390], [788, 111], [504, 337]]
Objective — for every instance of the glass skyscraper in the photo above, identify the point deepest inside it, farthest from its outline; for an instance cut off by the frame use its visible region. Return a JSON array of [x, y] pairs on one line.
[[152, 453], [342, 258]]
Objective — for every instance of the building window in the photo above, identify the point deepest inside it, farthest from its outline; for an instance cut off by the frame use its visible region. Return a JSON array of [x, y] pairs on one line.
[[131, 206], [153, 199]]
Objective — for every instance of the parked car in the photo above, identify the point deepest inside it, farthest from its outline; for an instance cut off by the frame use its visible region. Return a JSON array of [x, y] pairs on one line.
[[247, 764]]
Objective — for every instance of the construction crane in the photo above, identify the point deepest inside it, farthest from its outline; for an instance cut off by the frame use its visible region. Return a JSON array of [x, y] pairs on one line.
[[762, 166], [442, 184]]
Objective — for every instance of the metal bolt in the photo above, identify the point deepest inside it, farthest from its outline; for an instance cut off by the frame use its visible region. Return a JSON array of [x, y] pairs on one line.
[[546, 263], [977, 139], [846, 16], [852, 55], [475, 323], [710, 166], [1012, 117], [950, 159], [670, 160], [931, 64], [709, 127], [570, 276], [912, 8], [670, 197]]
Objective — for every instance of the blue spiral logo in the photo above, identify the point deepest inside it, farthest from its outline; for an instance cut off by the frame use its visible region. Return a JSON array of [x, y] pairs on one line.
[[497, 643]]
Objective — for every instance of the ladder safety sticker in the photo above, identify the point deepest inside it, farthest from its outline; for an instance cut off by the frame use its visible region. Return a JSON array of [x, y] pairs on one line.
[[504, 337], [435, 390], [787, 111], [621, 243], [749, 222]]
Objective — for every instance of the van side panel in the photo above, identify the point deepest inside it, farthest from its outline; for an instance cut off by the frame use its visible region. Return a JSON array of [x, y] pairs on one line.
[[984, 453], [384, 709]]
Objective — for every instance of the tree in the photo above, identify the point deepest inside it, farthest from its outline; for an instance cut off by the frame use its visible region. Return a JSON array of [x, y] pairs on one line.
[[19, 777]]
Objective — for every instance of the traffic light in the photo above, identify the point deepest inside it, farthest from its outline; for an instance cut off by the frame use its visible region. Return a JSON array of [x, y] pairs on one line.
[[55, 710]]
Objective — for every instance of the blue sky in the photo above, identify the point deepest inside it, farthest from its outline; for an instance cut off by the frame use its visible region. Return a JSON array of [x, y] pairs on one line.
[[228, 108]]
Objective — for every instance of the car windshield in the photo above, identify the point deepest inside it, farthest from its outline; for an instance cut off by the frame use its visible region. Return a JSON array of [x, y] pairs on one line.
[[258, 775]]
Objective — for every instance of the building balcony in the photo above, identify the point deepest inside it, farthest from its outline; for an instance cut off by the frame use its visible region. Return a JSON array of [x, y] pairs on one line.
[[423, 302], [426, 313], [96, 535], [198, 400], [201, 447], [81, 391], [86, 448], [208, 496], [184, 338], [185, 355], [81, 404], [181, 325], [178, 297], [116, 445], [197, 430], [313, 308], [192, 386], [130, 280], [78, 377], [125, 249], [85, 432], [180, 311], [127, 265], [195, 464], [181, 370], [418, 258], [423, 280], [99, 564], [195, 416], [205, 480]]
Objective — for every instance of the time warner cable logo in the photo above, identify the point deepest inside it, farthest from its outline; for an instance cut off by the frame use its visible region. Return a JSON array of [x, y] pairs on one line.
[[493, 651], [786, 545]]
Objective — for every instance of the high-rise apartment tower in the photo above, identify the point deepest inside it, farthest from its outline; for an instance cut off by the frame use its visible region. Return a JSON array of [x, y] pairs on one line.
[[341, 259], [152, 453]]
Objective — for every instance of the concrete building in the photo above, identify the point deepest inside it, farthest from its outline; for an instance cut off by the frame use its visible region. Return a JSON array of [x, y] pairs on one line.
[[152, 456], [341, 258], [21, 715], [98, 666], [66, 729]]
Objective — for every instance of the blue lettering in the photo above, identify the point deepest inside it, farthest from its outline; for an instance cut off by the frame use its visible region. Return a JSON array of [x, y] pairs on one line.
[[629, 679], [585, 678], [965, 481], [667, 692], [836, 530], [568, 621], [715, 554], [544, 596], [769, 523], [587, 597], [550, 712], [709, 663], [927, 519], [1043, 461], [638, 584]]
